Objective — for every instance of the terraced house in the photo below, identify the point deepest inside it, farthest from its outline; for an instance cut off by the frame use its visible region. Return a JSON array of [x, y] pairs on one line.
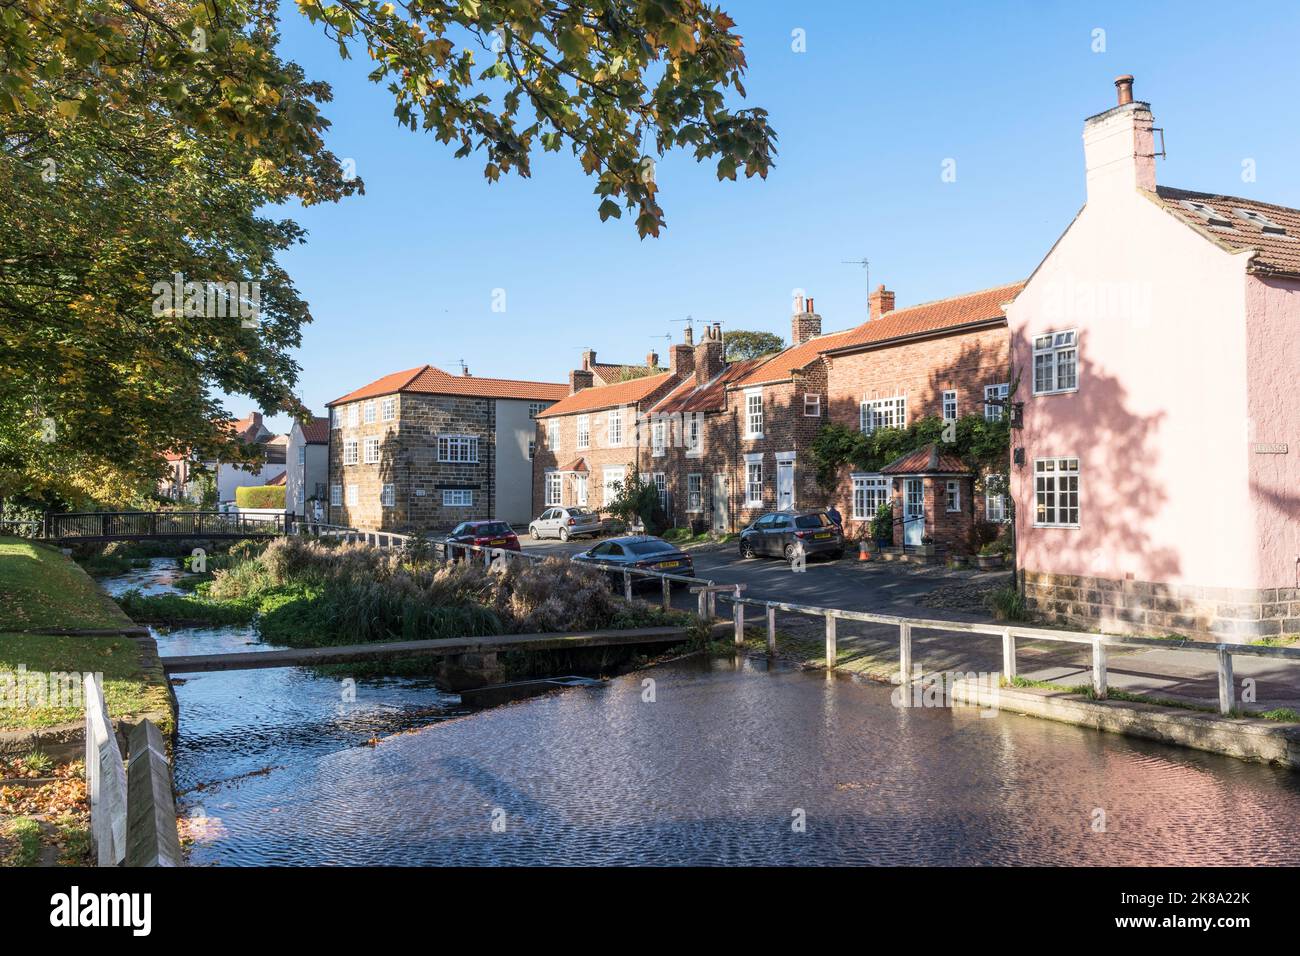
[[422, 449]]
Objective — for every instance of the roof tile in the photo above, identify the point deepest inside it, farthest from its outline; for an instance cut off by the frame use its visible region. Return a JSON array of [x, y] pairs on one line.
[[607, 396], [1276, 253], [428, 380]]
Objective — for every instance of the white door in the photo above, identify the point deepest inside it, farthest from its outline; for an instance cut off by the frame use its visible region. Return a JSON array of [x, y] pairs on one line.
[[720, 513], [913, 511], [784, 485], [580, 481]]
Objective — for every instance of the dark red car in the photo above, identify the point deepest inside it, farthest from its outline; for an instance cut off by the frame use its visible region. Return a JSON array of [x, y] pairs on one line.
[[485, 534]]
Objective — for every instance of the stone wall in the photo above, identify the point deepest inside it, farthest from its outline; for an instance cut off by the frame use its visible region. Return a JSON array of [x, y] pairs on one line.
[[1227, 615]]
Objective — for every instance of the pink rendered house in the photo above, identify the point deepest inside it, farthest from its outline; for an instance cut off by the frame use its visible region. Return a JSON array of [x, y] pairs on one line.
[[1156, 349]]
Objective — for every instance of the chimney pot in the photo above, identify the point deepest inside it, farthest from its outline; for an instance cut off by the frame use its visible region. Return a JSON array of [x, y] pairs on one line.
[[652, 360], [1124, 89], [879, 302], [690, 335]]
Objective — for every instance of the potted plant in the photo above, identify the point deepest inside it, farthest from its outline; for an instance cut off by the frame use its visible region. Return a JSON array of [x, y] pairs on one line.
[[993, 555], [882, 525], [928, 547]]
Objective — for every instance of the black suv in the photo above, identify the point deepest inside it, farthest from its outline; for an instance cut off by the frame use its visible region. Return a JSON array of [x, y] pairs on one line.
[[784, 534]]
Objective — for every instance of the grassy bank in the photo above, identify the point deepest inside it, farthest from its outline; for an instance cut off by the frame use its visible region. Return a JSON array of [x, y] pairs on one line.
[[303, 593], [41, 588]]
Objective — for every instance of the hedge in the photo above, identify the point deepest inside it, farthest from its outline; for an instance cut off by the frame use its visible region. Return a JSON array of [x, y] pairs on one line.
[[260, 496]]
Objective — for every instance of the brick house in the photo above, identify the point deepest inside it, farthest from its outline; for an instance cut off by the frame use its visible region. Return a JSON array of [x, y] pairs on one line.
[[1155, 476], [592, 438], [941, 359], [423, 449]]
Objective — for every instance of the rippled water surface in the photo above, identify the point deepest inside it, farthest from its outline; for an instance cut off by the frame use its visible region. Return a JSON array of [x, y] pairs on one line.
[[721, 767]]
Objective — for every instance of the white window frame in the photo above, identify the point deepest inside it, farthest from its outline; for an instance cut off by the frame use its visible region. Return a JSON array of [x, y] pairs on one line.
[[995, 514], [336, 496], [372, 451], [388, 496], [553, 434], [754, 413], [532, 448], [368, 413], [458, 449], [658, 436], [949, 402], [352, 415], [753, 481], [661, 486], [952, 496], [336, 418], [458, 497], [812, 405], [354, 496], [607, 479], [614, 427], [693, 434], [351, 455], [999, 392], [695, 492], [882, 413], [388, 409], [870, 491], [554, 491], [1055, 348], [584, 431], [1048, 473]]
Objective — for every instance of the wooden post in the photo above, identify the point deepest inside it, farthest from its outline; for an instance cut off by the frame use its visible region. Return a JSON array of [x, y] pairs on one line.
[[1008, 655], [1227, 691], [1098, 668], [668, 594], [627, 584], [771, 627], [905, 655], [832, 649], [738, 617], [704, 606]]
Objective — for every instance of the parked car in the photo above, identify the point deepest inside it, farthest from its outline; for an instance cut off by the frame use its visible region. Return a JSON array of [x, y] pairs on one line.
[[565, 523], [486, 534], [638, 551], [783, 534]]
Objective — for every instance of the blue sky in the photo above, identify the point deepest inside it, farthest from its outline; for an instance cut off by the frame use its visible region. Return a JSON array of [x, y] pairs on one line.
[[867, 116]]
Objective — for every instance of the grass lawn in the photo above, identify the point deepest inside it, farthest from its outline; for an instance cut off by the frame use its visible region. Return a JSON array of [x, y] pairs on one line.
[[40, 587], [128, 690]]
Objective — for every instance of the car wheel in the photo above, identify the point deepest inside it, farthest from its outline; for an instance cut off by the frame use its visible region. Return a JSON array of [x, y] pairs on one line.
[[535, 533], [564, 534], [746, 548], [791, 552]]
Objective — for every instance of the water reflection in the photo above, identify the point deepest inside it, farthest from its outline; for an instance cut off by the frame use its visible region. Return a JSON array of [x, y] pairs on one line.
[[714, 771]]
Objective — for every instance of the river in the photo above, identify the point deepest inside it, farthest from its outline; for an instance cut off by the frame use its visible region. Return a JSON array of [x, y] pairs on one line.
[[717, 761]]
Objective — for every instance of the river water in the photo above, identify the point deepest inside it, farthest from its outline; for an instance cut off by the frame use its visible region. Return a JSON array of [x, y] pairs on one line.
[[720, 761]]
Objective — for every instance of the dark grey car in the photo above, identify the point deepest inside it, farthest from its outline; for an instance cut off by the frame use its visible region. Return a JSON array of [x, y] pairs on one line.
[[639, 551], [784, 534]]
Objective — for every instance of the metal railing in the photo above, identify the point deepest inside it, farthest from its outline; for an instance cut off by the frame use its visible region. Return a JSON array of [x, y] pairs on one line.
[[161, 524], [1009, 635]]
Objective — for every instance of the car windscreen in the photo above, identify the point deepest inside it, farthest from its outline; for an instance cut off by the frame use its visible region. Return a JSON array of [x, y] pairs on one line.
[[492, 527], [819, 520], [580, 512], [653, 546]]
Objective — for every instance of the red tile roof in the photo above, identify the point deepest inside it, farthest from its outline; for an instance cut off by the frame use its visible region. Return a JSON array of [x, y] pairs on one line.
[[578, 465], [280, 479], [428, 380], [1275, 253], [608, 373], [607, 396], [709, 397], [938, 316], [317, 431], [779, 367], [926, 461]]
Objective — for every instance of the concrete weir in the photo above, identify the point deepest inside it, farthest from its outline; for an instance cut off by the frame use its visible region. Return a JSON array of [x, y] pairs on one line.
[[1241, 737]]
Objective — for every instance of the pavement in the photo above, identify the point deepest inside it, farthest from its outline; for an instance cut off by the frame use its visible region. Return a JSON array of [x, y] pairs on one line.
[[895, 588]]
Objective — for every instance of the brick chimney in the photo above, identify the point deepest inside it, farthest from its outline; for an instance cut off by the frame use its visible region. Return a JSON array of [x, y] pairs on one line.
[[589, 360], [709, 354], [1119, 146], [652, 360], [879, 302], [681, 357], [579, 379], [805, 324]]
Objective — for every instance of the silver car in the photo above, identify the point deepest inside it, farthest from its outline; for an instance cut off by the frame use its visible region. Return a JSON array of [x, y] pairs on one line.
[[565, 523]]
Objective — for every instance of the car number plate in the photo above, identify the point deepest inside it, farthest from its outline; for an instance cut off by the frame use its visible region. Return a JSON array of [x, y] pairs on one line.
[[823, 534], [496, 541], [669, 564]]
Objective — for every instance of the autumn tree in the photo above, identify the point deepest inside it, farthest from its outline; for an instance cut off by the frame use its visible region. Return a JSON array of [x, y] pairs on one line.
[[143, 141]]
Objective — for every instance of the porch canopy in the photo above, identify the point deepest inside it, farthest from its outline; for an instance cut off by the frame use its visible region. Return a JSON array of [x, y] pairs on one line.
[[576, 467], [932, 487], [928, 461]]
